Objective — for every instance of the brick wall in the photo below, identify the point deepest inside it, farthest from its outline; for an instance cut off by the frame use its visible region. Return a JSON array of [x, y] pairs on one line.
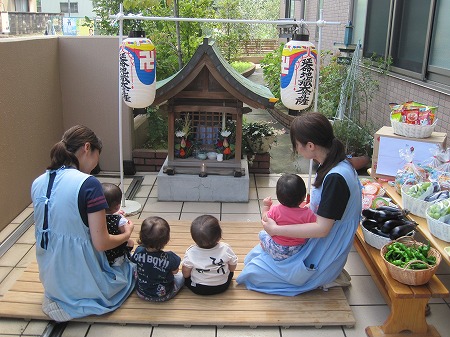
[[146, 160]]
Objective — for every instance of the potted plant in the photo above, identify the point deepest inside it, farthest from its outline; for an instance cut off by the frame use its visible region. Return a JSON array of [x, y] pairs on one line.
[[258, 137], [357, 140]]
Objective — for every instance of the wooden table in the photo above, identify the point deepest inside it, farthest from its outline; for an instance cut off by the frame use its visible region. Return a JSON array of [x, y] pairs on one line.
[[407, 303], [422, 228]]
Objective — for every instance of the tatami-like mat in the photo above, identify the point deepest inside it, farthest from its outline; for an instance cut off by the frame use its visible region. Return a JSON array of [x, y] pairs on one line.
[[236, 307]]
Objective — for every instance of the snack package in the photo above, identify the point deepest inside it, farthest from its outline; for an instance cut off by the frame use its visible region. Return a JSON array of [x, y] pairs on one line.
[[380, 201], [434, 161], [444, 157], [413, 113], [410, 173], [442, 178], [371, 191]]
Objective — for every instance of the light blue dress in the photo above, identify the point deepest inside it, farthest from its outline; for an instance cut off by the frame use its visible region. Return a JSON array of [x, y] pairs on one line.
[[320, 261], [74, 274]]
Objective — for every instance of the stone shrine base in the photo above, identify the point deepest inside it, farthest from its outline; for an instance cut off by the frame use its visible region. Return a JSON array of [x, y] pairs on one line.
[[189, 187]]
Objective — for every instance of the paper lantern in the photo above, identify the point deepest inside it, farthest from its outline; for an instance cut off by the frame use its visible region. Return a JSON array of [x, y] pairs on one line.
[[298, 73], [138, 71]]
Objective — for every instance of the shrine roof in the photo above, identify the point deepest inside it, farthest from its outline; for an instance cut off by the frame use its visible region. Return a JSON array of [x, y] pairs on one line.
[[207, 54]]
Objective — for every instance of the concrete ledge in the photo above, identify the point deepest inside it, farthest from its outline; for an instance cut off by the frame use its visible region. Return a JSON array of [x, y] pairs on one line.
[[215, 188]]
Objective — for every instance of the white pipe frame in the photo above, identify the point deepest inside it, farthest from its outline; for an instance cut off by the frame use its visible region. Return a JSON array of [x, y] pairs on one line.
[[120, 17]]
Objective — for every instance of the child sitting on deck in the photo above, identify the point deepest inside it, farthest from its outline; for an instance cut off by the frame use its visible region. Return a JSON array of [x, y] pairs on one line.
[[208, 266], [115, 222], [157, 279], [291, 192]]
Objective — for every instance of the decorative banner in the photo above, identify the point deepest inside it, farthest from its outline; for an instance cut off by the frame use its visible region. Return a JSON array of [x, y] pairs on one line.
[[298, 74], [138, 71]]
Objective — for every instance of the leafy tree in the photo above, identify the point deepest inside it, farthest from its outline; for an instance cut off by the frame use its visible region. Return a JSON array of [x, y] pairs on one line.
[[229, 35], [162, 33], [261, 10]]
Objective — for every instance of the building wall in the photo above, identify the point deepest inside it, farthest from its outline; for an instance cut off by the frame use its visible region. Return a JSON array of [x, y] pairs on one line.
[[30, 119], [48, 85], [89, 87], [33, 23], [393, 88], [396, 89], [84, 8], [10, 6], [333, 11]]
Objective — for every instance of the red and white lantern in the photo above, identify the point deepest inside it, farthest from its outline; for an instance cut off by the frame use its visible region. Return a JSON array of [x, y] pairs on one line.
[[298, 74], [137, 61]]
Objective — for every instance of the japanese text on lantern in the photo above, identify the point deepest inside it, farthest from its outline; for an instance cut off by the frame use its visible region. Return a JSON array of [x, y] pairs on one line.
[[124, 77], [305, 81], [285, 65]]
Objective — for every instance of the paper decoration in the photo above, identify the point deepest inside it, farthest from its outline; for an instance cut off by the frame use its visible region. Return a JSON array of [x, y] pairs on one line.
[[298, 74], [137, 62]]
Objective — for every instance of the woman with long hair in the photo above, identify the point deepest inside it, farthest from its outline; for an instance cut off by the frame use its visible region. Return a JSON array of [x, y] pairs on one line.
[[71, 233], [336, 201]]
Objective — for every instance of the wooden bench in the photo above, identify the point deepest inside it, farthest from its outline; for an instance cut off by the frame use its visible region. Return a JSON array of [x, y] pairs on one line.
[[407, 303], [235, 307]]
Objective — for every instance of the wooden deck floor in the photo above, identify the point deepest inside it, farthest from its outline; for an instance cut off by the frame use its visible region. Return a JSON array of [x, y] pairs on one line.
[[236, 307]]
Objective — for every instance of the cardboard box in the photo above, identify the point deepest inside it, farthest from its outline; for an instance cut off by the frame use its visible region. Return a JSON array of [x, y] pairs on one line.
[[386, 160]]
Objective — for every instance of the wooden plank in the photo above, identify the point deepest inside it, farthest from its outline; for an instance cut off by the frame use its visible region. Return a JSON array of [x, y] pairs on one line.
[[237, 306], [407, 303], [423, 226]]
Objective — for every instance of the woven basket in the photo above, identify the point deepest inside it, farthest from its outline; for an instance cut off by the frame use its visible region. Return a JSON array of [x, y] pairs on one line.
[[413, 205], [412, 130], [410, 276], [439, 229]]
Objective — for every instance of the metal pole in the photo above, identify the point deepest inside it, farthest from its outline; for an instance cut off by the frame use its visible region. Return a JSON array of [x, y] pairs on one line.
[[120, 18], [169, 18], [177, 26], [320, 23]]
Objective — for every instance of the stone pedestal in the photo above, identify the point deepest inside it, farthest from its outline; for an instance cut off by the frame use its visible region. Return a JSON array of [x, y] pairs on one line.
[[215, 188]]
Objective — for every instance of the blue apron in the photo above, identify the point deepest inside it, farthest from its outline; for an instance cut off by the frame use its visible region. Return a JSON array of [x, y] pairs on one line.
[[320, 261], [74, 274]]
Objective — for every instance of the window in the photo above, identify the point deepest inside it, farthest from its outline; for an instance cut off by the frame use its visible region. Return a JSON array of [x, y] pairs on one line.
[[64, 7], [413, 33], [21, 6]]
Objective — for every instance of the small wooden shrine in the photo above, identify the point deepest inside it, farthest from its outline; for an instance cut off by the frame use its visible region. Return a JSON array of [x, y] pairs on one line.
[[205, 107]]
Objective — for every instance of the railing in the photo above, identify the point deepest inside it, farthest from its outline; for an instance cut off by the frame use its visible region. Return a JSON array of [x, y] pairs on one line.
[[259, 47]]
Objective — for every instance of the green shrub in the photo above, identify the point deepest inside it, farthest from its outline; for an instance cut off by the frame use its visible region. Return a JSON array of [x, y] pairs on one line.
[[271, 66], [240, 66], [157, 129]]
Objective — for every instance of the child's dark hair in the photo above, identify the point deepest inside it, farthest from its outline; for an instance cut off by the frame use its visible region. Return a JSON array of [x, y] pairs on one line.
[[291, 190], [206, 231], [155, 233], [113, 195]]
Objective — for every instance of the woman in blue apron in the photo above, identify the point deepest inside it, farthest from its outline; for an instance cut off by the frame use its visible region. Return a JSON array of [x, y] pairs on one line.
[[71, 233], [335, 199]]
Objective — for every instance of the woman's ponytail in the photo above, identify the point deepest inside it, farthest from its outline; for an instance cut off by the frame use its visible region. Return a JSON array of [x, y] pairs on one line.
[[63, 152]]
